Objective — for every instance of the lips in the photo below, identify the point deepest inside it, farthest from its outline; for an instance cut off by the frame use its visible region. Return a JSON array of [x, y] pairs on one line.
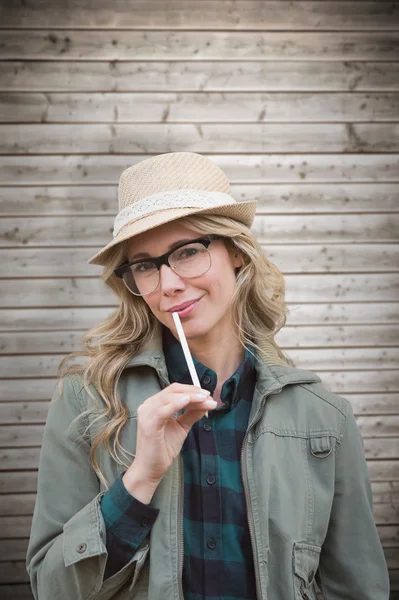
[[180, 307]]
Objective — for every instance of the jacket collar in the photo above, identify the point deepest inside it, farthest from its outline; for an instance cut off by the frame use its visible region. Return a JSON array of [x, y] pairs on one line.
[[273, 373]]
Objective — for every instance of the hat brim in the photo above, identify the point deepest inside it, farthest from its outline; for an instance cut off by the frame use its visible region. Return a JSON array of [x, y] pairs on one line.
[[244, 212]]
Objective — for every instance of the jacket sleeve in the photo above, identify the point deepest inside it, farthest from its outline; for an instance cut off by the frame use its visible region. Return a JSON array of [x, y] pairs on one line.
[[352, 562], [67, 552], [127, 522]]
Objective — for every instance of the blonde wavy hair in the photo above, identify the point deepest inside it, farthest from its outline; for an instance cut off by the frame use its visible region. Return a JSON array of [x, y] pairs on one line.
[[258, 308]]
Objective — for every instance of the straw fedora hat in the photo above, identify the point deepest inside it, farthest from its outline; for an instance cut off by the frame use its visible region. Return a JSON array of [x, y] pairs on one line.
[[167, 187]]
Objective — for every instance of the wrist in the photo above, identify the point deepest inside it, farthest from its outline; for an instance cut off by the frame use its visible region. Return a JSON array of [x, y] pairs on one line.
[[138, 485]]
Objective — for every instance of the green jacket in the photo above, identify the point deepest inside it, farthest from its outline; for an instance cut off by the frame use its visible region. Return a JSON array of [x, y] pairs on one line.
[[306, 483]]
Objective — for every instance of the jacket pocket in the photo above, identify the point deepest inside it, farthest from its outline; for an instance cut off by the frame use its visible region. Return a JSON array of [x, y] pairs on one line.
[[306, 561]]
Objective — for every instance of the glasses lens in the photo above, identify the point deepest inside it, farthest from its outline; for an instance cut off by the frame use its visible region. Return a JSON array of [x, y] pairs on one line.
[[191, 260], [141, 278]]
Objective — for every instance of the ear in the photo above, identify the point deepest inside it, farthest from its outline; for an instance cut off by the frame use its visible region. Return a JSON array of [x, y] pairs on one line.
[[237, 260]]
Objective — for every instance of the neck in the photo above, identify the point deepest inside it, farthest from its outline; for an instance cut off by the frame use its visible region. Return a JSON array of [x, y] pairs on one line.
[[220, 351]]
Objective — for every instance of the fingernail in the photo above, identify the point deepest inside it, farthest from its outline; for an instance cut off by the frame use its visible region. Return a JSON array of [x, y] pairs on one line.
[[185, 398], [201, 396], [210, 403]]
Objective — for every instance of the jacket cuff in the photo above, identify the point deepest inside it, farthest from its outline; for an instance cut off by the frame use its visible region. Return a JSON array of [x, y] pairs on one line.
[[84, 534], [128, 521]]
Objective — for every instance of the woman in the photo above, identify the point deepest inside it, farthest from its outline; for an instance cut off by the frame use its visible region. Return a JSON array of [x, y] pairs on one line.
[[140, 494]]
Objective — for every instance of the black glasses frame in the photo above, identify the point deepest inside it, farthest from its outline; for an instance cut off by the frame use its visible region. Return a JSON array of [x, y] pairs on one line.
[[158, 261]]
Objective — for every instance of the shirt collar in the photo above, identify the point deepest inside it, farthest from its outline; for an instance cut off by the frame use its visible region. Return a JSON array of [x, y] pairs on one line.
[[237, 387]]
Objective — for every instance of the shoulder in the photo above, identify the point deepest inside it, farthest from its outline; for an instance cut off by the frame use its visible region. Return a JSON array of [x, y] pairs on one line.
[[308, 408]]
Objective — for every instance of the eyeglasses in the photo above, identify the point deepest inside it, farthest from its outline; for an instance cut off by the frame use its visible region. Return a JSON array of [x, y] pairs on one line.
[[190, 259]]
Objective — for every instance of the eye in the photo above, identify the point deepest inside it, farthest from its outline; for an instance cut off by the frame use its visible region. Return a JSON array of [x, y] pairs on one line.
[[187, 252], [142, 267]]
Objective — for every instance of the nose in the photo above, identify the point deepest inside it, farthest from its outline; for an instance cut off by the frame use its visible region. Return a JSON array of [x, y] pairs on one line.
[[169, 281]]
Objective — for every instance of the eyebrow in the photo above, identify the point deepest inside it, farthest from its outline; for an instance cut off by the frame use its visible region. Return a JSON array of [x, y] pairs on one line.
[[170, 247]]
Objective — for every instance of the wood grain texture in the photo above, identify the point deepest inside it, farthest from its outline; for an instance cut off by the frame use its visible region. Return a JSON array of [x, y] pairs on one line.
[[210, 14], [198, 137], [227, 75], [275, 229], [305, 198], [297, 102], [261, 168], [72, 44], [209, 107]]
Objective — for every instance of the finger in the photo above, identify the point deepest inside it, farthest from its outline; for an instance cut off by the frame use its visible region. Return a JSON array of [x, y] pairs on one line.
[[166, 412], [191, 416]]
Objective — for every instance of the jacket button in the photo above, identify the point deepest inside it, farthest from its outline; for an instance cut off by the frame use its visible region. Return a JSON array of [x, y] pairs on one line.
[[211, 479], [207, 426], [211, 544], [144, 522], [81, 548], [206, 379]]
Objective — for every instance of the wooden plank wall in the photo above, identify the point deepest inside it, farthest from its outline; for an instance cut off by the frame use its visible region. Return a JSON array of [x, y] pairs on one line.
[[297, 101]]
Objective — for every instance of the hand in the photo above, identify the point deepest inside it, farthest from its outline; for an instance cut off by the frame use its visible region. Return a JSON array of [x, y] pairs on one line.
[[160, 436]]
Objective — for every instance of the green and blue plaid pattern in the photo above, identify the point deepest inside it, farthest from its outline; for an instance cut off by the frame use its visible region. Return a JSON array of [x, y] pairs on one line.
[[218, 561]]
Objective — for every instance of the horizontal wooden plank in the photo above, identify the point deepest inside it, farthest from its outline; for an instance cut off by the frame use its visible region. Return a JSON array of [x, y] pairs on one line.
[[290, 258], [12, 459], [19, 591], [272, 198], [222, 137], [319, 337], [371, 314], [20, 436], [335, 359], [61, 342], [317, 359], [300, 288], [389, 535], [343, 382], [260, 168], [210, 107], [383, 470], [13, 572], [268, 229], [210, 14], [377, 404], [374, 448], [15, 527], [18, 505], [392, 557], [29, 390], [72, 44], [13, 550], [18, 482], [379, 426], [23, 412], [226, 76], [386, 514], [385, 492]]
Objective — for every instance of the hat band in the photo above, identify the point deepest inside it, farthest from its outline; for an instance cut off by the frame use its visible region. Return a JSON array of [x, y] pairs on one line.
[[169, 200]]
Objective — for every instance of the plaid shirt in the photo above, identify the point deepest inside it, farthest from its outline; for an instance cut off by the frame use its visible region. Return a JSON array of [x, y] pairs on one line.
[[218, 561]]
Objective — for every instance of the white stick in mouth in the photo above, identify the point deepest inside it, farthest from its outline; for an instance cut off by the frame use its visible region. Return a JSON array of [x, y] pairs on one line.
[[186, 350]]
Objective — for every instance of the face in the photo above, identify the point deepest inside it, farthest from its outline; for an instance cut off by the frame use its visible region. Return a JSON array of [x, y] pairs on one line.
[[212, 291]]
